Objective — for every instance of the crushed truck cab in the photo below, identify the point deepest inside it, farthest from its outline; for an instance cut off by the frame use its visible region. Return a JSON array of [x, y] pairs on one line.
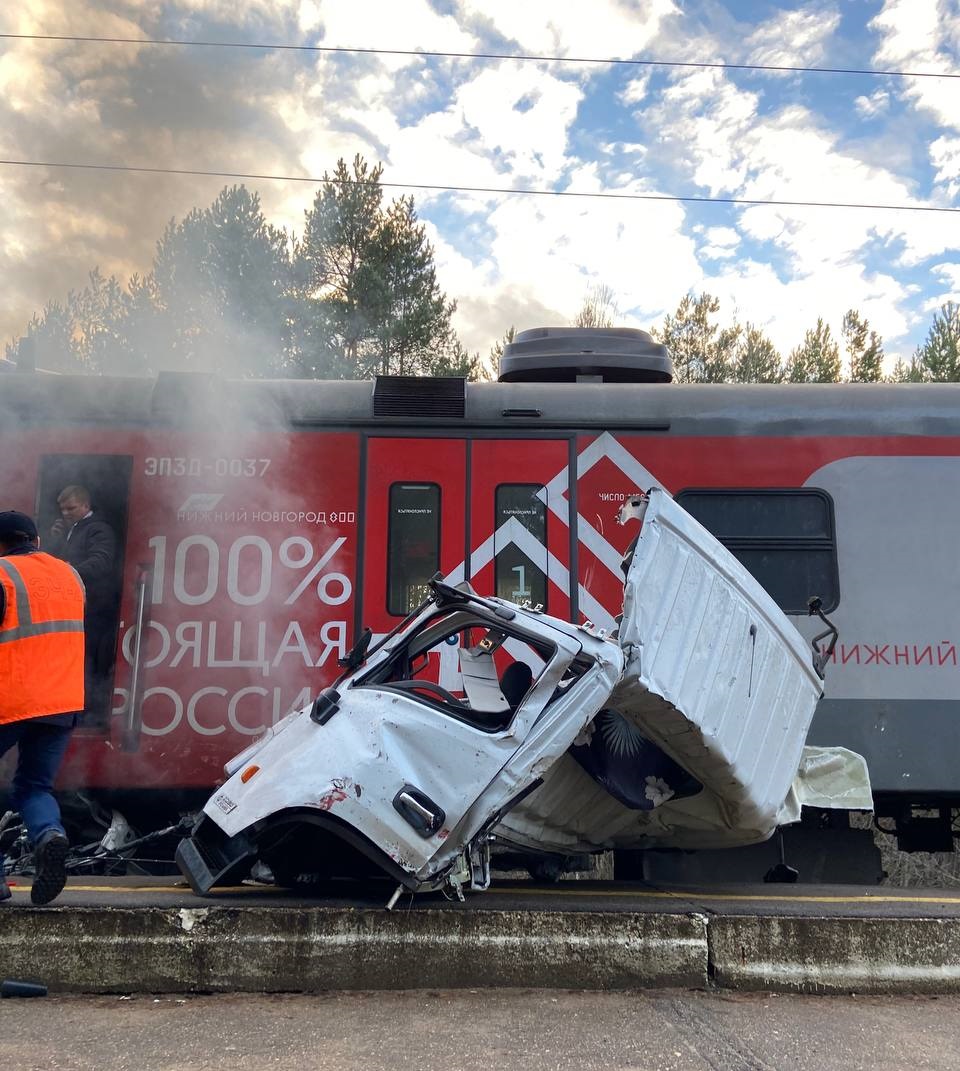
[[482, 723]]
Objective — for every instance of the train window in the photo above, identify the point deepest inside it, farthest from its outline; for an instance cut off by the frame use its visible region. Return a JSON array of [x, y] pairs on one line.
[[413, 544], [784, 536], [518, 578]]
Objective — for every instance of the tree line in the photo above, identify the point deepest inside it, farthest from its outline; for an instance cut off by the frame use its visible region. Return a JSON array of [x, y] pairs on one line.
[[706, 351], [356, 295]]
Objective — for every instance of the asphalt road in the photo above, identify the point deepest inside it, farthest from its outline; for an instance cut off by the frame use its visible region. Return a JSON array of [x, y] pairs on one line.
[[665, 1030]]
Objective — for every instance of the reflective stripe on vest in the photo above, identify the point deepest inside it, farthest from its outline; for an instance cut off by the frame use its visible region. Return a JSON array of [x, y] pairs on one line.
[[26, 626]]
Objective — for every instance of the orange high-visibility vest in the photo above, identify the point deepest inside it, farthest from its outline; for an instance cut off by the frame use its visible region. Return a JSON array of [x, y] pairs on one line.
[[41, 637]]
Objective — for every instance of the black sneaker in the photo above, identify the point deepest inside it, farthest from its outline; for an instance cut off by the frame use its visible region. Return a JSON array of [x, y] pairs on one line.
[[50, 856]]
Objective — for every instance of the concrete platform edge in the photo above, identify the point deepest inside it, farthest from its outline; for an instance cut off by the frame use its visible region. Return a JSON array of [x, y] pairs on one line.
[[226, 949], [115, 950], [835, 955]]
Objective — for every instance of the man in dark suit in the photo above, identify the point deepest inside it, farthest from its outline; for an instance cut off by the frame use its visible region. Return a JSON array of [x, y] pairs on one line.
[[88, 543]]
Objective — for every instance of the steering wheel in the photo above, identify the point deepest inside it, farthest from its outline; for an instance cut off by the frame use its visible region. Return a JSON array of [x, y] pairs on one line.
[[428, 686]]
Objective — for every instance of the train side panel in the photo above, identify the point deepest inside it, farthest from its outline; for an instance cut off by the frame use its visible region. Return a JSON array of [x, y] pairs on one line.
[[250, 554], [891, 688], [256, 544]]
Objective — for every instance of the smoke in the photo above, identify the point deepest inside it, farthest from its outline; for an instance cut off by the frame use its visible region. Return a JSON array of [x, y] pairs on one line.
[[284, 112], [250, 527], [152, 106]]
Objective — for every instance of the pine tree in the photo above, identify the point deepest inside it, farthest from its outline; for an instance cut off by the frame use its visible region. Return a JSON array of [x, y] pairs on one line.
[[220, 288], [369, 278], [938, 359], [142, 345], [599, 308], [99, 314], [496, 350], [453, 359], [864, 349], [908, 372], [84, 333], [413, 335], [332, 263], [756, 359], [702, 352], [230, 293], [817, 359], [51, 338]]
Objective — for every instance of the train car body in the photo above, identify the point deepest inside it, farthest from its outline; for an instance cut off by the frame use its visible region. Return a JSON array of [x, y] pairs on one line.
[[263, 524]]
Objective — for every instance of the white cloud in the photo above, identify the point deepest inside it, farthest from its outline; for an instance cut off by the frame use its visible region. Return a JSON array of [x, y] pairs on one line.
[[414, 24], [507, 259], [793, 38], [546, 253], [508, 125], [923, 35], [731, 142], [878, 103], [635, 91], [950, 274], [600, 29], [785, 309], [523, 114], [945, 157], [728, 146], [537, 26], [720, 243], [910, 30], [623, 148]]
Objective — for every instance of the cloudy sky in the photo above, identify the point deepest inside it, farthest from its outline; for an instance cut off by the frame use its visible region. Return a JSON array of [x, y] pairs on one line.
[[546, 124]]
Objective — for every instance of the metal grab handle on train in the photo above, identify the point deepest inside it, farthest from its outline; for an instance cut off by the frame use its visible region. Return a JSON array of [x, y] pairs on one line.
[[822, 655], [133, 715]]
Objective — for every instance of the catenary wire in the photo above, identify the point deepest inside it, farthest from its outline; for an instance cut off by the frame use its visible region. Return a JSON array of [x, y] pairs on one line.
[[520, 57], [498, 190]]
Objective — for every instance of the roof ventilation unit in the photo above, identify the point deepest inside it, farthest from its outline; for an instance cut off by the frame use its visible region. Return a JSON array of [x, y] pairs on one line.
[[585, 354], [419, 397]]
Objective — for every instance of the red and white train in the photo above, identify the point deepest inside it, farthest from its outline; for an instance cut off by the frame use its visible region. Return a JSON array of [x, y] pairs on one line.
[[263, 524]]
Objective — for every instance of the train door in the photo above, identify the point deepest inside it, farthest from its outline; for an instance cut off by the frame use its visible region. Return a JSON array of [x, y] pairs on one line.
[[492, 512], [519, 522], [105, 480], [415, 510]]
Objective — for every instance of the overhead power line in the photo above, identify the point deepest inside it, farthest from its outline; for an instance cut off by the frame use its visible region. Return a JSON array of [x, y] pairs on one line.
[[520, 57], [608, 195]]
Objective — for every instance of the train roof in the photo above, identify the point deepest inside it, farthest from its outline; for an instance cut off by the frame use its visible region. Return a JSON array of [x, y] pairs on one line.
[[424, 404]]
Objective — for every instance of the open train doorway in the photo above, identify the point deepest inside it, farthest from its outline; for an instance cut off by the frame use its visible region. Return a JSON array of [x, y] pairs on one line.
[[82, 502]]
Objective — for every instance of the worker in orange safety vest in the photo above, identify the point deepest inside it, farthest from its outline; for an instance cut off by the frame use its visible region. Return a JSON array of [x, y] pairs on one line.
[[41, 689]]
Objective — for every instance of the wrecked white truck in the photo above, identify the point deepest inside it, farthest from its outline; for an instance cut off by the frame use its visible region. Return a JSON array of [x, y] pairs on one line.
[[684, 729]]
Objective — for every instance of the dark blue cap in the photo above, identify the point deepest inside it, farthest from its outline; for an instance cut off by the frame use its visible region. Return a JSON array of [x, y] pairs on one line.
[[15, 525]]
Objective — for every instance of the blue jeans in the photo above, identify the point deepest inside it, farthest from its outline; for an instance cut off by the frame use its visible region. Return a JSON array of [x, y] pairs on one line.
[[41, 749]]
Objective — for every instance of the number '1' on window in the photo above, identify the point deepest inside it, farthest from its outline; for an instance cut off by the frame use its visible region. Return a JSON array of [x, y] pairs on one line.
[[520, 544]]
